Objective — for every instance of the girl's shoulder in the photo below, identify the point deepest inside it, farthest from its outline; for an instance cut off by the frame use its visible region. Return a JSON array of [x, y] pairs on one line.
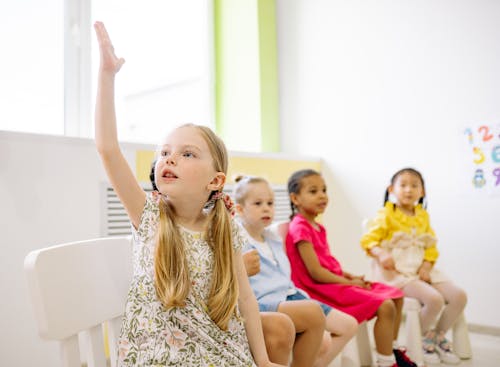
[[299, 224], [389, 208], [392, 213], [421, 211], [297, 220], [238, 235]]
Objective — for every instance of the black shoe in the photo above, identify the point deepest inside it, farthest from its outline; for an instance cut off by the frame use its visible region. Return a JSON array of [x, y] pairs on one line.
[[402, 359]]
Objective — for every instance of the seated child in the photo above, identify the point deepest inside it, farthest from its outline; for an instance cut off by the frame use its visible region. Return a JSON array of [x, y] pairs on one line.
[[315, 270], [403, 244], [269, 271]]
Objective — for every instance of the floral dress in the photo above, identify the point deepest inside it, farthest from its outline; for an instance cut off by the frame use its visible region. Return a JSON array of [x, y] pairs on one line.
[[152, 335]]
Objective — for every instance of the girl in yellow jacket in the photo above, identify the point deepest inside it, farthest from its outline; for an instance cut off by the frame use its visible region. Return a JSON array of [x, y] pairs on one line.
[[403, 245]]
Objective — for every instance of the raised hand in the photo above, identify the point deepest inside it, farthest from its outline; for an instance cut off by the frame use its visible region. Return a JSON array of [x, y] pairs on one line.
[[109, 61]]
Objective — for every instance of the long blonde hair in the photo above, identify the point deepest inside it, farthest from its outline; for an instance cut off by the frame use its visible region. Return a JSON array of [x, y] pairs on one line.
[[172, 280]]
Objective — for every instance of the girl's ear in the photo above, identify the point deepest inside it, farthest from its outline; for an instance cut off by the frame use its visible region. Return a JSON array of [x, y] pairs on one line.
[[217, 182], [293, 198], [390, 189]]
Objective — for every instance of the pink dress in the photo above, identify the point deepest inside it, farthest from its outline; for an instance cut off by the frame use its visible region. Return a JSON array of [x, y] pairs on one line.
[[358, 302]]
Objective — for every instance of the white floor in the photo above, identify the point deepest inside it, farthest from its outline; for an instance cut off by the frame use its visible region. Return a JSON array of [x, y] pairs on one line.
[[485, 352]]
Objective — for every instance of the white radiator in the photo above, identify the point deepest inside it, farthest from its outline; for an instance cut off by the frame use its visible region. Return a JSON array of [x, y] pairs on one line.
[[116, 221]]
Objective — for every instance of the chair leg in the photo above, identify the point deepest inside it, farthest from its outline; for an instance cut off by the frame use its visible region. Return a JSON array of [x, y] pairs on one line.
[[461, 341], [363, 344], [70, 352], [358, 351], [349, 356], [413, 330]]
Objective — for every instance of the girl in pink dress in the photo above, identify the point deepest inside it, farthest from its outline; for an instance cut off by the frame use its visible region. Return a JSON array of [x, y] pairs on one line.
[[317, 272]]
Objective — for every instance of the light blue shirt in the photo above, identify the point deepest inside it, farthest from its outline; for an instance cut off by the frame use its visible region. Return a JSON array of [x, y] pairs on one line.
[[273, 283]]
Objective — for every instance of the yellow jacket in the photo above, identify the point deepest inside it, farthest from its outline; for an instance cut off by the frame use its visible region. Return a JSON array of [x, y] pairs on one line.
[[390, 220]]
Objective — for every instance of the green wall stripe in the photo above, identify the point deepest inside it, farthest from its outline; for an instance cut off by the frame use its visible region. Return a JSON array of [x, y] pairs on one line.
[[246, 75], [269, 96]]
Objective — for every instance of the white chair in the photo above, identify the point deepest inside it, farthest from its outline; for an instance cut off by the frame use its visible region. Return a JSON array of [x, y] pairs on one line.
[[77, 288]]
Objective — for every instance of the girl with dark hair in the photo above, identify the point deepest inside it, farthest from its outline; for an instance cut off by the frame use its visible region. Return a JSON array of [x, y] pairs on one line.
[[403, 245], [317, 271]]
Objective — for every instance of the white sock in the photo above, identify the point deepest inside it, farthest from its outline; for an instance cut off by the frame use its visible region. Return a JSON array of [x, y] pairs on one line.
[[395, 345], [385, 361]]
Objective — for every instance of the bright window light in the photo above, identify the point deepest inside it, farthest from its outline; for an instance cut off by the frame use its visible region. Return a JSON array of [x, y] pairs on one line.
[[166, 78], [31, 77]]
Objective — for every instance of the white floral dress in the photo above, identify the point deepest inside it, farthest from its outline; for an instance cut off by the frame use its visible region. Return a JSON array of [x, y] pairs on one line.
[[152, 335]]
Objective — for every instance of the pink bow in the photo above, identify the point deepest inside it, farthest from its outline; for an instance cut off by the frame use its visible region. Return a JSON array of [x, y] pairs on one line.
[[228, 202]]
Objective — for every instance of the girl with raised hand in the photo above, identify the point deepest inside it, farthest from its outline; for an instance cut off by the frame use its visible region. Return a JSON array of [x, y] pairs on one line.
[[269, 271], [278, 328], [318, 272], [190, 303], [403, 244]]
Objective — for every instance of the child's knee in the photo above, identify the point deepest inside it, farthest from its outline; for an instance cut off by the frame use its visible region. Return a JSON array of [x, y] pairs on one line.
[[315, 315], [342, 324], [387, 310], [285, 334], [435, 302], [281, 334], [460, 298], [351, 326]]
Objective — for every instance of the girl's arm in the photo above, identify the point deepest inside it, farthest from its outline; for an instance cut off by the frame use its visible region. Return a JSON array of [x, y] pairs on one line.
[[377, 231], [119, 173], [431, 253], [384, 257], [424, 272], [250, 312], [318, 272]]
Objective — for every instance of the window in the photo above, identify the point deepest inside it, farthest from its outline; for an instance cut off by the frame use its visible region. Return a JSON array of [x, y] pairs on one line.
[[166, 78], [31, 88], [49, 69]]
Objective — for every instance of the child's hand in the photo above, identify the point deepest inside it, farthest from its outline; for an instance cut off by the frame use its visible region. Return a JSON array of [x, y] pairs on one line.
[[360, 282], [109, 61], [252, 262], [385, 259], [424, 272]]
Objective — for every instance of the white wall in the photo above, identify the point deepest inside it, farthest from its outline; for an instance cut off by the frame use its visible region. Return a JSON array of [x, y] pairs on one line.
[[396, 82], [49, 194]]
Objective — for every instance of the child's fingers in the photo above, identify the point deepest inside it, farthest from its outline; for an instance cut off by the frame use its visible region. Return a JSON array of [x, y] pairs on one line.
[[102, 35], [120, 63]]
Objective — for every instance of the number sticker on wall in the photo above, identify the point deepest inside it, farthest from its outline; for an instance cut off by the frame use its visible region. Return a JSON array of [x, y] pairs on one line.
[[482, 142]]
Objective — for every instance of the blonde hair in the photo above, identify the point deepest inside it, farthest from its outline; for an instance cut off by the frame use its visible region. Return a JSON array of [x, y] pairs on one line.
[[241, 188], [172, 280]]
